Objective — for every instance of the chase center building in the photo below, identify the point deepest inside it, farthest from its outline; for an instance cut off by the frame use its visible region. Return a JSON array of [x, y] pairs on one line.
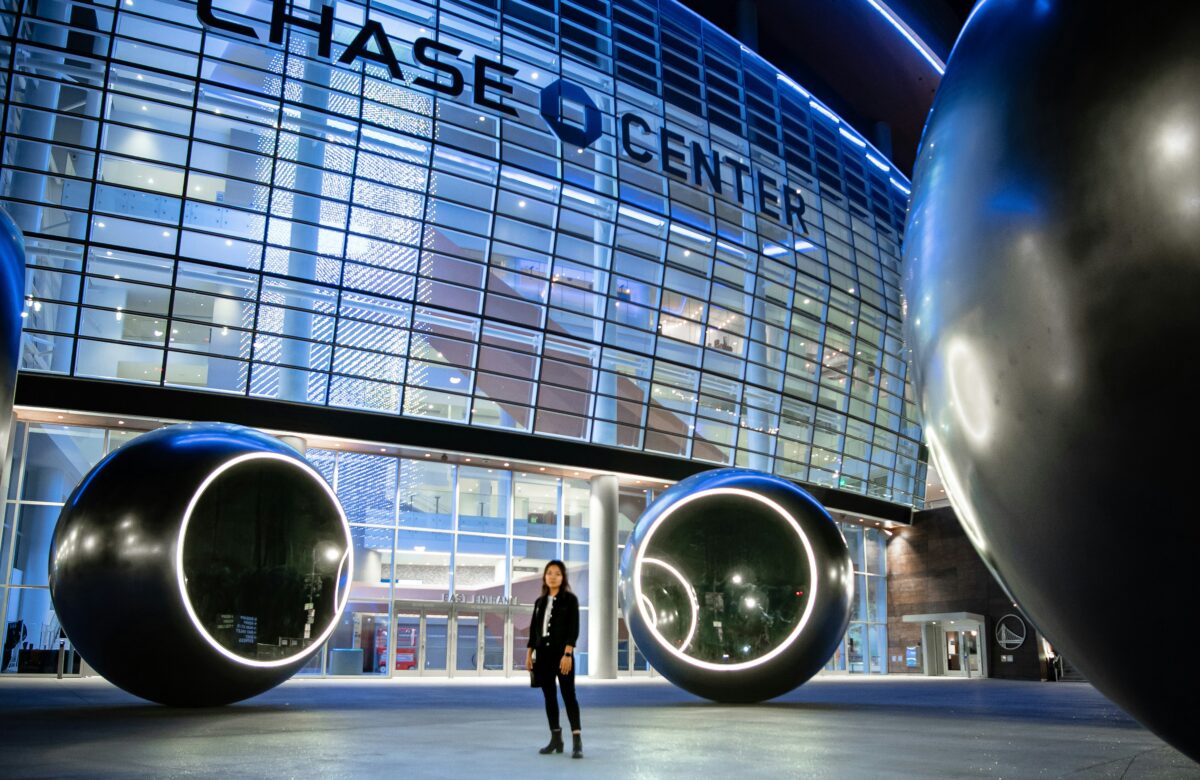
[[503, 270]]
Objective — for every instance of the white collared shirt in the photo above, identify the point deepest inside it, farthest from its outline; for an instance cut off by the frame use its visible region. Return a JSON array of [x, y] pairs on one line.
[[546, 616]]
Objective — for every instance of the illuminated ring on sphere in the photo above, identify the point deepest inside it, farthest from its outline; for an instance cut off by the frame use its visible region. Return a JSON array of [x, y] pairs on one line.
[[810, 557], [344, 565]]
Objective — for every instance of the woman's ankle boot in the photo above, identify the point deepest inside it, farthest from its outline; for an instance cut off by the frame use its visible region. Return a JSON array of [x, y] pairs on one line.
[[556, 743], [577, 747]]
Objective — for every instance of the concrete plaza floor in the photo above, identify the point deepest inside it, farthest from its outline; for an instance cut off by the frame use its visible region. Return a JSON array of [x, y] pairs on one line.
[[832, 727]]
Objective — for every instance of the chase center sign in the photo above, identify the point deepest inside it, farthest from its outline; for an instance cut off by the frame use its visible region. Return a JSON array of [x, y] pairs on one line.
[[444, 64]]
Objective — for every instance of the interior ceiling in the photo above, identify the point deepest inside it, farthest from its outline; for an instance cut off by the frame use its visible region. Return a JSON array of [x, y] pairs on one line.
[[854, 60]]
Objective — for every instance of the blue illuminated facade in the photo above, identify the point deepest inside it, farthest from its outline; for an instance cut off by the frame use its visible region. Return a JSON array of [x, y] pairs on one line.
[[599, 221], [207, 210]]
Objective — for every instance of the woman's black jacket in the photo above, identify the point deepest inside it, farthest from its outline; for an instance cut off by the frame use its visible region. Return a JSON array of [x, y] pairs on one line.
[[564, 621]]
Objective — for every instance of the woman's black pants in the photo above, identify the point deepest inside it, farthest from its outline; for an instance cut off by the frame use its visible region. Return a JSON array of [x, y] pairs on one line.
[[547, 673]]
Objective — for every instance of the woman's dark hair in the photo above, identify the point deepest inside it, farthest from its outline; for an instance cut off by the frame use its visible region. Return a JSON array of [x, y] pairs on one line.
[[562, 567]]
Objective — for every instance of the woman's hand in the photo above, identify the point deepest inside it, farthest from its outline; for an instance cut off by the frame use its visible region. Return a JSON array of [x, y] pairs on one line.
[[529, 660], [564, 666]]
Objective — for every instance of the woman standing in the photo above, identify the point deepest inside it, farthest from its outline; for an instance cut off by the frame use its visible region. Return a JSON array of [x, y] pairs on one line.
[[551, 652]]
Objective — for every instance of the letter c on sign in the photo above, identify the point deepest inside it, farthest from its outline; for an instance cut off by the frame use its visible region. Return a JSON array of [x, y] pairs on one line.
[[570, 133]]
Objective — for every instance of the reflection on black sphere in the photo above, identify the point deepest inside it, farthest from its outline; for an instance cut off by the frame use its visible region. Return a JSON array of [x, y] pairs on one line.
[[722, 590], [1051, 248], [200, 564], [736, 585], [261, 560]]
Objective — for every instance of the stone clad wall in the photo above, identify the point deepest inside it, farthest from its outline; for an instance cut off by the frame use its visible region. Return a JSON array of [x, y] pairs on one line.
[[932, 568]]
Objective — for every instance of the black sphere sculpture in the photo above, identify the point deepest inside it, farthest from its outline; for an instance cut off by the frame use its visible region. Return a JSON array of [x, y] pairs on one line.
[[12, 294], [1053, 255], [736, 585], [200, 564]]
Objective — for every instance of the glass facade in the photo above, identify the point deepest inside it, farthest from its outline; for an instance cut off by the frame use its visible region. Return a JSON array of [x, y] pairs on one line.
[[865, 646], [303, 220], [48, 461], [448, 559]]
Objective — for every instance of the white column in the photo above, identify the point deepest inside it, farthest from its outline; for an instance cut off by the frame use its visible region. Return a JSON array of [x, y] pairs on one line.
[[602, 579]]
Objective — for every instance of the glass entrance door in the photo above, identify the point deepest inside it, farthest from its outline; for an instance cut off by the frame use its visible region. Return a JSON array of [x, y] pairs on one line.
[[435, 642], [495, 623], [409, 635], [954, 654], [962, 653], [422, 640], [518, 632], [459, 639], [468, 656], [970, 643], [480, 639]]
